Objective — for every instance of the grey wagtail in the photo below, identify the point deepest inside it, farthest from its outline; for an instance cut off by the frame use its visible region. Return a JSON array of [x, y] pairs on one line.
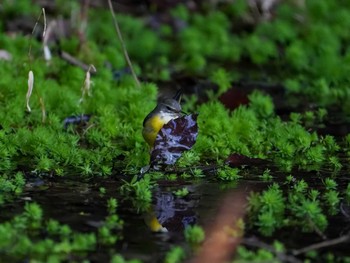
[[166, 110]]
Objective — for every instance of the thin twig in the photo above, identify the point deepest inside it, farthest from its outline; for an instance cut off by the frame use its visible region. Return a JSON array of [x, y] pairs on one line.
[[322, 244], [43, 110], [74, 61], [316, 229], [35, 25], [123, 44], [83, 22]]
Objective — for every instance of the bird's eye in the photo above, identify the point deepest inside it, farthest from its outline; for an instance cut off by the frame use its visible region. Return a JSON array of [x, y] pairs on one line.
[[169, 108]]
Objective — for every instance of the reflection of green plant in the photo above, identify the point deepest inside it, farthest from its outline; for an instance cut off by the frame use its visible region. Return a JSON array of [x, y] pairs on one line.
[[111, 224], [139, 191], [11, 185], [60, 241]]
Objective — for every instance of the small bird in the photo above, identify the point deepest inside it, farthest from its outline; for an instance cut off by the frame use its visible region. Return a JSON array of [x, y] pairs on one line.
[[166, 110]]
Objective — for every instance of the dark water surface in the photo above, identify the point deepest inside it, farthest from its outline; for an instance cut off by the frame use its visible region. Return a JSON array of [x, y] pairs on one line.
[[80, 205]]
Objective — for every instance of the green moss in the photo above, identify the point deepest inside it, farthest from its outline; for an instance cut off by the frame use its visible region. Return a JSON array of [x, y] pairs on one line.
[[269, 209], [16, 8], [228, 174], [194, 234], [181, 192], [175, 255], [218, 44]]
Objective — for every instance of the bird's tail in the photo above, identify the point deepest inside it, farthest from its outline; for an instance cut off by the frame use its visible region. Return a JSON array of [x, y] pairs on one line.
[[178, 95]]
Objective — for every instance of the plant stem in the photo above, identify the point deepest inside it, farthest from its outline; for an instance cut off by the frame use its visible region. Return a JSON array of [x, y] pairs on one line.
[[123, 44]]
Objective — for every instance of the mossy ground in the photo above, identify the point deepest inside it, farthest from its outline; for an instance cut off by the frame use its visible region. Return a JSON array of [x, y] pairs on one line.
[[305, 48]]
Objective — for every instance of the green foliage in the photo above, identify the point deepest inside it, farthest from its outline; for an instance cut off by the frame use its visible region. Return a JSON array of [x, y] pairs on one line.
[[239, 8], [228, 174], [330, 184], [221, 43], [260, 49], [58, 245], [255, 131], [221, 78], [268, 209], [305, 207], [181, 12], [175, 255], [260, 255], [347, 193], [139, 192], [266, 176], [181, 192], [197, 173], [16, 8], [194, 235], [195, 48], [188, 159], [120, 259], [261, 104], [11, 185], [59, 242], [332, 199]]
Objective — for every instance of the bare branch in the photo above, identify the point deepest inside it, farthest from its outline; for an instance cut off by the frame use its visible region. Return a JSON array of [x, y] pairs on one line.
[[74, 61], [43, 110], [323, 244]]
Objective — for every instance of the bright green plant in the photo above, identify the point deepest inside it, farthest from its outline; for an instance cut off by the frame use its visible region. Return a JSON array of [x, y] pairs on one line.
[[228, 174], [266, 176], [175, 255], [139, 191], [347, 193], [11, 185], [194, 235], [182, 192], [117, 258], [268, 209]]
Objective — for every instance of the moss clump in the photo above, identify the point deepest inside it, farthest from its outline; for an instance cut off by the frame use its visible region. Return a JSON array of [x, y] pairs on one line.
[[222, 44]]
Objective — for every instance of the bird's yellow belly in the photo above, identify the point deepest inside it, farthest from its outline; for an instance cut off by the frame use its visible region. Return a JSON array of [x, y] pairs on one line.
[[153, 126]]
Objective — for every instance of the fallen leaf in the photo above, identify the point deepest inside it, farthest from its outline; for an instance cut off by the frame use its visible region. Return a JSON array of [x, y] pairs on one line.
[[176, 137]]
